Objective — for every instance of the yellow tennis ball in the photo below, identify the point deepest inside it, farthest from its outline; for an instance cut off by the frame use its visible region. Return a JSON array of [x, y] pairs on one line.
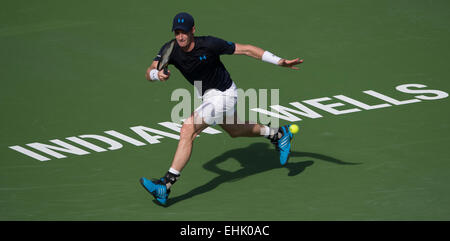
[[293, 128]]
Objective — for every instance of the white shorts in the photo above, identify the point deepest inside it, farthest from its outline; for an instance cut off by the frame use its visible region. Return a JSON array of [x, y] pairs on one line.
[[217, 104]]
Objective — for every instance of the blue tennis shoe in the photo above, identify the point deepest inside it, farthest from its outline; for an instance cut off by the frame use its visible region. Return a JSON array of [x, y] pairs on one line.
[[157, 189], [283, 144]]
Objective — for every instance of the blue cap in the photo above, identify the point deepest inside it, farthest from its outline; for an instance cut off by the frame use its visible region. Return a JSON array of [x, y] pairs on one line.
[[183, 21]]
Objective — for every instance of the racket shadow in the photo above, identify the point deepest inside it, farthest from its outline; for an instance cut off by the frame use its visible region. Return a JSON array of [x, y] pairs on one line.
[[254, 159]]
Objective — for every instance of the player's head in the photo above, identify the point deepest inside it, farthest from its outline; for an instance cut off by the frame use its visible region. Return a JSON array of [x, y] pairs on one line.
[[183, 27]]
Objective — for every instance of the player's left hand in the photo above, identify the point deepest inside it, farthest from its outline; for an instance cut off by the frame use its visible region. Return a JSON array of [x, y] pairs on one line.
[[290, 63]]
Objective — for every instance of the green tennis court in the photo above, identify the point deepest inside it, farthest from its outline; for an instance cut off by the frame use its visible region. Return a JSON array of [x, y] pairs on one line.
[[73, 71]]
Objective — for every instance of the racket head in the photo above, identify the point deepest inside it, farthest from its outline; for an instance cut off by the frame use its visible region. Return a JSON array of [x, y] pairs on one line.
[[165, 55]]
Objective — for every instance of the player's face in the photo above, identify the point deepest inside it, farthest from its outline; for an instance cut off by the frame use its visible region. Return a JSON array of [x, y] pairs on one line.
[[183, 38]]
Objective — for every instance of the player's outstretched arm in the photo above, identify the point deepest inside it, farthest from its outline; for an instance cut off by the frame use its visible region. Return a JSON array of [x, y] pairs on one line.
[[152, 74], [258, 53], [249, 50]]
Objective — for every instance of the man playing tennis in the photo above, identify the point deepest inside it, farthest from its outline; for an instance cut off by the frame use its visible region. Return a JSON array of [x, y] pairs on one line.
[[198, 58]]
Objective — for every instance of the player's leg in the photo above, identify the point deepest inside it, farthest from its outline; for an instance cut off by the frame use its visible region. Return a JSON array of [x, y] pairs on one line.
[[191, 127], [160, 189], [281, 137], [225, 106], [236, 128]]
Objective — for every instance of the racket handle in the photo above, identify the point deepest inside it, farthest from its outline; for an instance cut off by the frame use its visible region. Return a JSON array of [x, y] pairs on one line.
[[165, 71]]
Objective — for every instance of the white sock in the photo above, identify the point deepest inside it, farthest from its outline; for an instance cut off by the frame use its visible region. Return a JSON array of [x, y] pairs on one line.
[[265, 131], [173, 171]]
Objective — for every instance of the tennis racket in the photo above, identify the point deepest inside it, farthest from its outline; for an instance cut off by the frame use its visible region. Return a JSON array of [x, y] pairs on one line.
[[165, 54]]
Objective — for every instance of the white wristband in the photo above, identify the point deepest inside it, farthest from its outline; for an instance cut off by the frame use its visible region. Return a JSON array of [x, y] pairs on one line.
[[270, 58], [154, 74]]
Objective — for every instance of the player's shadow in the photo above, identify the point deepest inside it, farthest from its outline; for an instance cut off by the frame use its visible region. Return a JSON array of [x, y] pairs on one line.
[[254, 159]]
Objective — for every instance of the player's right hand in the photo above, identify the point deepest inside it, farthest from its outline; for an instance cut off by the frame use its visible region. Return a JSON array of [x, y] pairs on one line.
[[162, 76]]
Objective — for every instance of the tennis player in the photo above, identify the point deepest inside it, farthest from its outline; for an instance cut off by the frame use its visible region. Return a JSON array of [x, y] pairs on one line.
[[198, 58]]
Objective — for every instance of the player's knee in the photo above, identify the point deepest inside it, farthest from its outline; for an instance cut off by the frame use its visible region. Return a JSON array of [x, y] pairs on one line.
[[187, 131]]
